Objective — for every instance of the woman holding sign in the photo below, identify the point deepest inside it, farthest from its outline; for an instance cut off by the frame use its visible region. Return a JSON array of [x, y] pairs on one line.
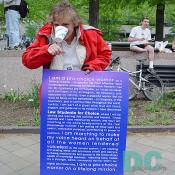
[[64, 43]]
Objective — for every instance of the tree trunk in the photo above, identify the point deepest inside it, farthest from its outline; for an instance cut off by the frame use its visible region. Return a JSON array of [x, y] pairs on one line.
[[159, 21], [93, 12]]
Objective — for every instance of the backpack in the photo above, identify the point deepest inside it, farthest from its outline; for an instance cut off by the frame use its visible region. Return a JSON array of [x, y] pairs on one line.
[[23, 9]]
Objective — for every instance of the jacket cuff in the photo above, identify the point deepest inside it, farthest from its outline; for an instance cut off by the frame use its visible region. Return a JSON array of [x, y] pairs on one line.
[[87, 67]]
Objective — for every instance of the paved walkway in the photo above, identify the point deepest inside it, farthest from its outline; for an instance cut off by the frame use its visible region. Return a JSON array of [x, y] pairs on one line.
[[19, 153]]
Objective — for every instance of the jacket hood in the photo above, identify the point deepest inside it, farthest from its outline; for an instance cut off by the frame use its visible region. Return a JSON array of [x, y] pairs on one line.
[[87, 27]]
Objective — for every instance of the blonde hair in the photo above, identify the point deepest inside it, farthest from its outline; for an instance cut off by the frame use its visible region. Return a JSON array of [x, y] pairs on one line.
[[65, 10]]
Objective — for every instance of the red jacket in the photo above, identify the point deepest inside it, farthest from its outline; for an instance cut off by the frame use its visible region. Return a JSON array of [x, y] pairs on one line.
[[97, 51]]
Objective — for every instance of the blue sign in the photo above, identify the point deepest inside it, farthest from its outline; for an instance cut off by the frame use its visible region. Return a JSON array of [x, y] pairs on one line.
[[83, 122]]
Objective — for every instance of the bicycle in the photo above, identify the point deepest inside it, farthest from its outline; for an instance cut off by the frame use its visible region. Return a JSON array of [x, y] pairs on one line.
[[151, 85]]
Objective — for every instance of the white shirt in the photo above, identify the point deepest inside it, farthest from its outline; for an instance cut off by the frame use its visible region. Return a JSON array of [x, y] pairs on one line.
[[138, 32], [69, 58]]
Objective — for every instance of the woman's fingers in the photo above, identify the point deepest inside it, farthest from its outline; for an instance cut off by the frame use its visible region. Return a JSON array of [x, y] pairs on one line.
[[55, 49]]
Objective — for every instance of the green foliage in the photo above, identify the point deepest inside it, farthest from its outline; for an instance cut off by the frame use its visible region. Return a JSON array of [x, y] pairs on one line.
[[162, 118], [113, 14], [170, 17], [36, 119], [2, 17], [150, 2], [168, 101], [31, 97], [31, 27], [82, 7], [153, 119], [156, 114], [153, 107], [14, 96], [40, 9]]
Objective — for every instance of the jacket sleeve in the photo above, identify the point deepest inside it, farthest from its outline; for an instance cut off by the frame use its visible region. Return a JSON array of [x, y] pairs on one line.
[[102, 58], [36, 54]]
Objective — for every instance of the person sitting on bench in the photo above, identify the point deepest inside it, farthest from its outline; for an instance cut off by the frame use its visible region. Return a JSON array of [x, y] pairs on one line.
[[139, 38]]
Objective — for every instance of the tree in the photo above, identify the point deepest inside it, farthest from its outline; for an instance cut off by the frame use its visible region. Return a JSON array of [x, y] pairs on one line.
[[93, 12], [159, 21]]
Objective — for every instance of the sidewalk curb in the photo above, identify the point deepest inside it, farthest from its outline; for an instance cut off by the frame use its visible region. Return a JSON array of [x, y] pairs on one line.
[[21, 130], [131, 129], [151, 129]]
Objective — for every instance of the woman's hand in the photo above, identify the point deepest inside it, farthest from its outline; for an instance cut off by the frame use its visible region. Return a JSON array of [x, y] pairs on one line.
[[55, 49]]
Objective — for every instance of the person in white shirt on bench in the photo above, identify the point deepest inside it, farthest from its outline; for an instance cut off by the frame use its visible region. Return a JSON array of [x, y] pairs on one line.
[[139, 38]]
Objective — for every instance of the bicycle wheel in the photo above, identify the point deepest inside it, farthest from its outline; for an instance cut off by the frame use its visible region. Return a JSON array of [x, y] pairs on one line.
[[132, 91], [153, 87]]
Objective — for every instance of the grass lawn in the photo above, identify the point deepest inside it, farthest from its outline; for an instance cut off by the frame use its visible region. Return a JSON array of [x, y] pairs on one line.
[[143, 112]]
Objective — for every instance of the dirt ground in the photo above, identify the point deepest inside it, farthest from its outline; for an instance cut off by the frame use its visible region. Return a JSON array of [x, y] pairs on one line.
[[13, 114], [21, 114]]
